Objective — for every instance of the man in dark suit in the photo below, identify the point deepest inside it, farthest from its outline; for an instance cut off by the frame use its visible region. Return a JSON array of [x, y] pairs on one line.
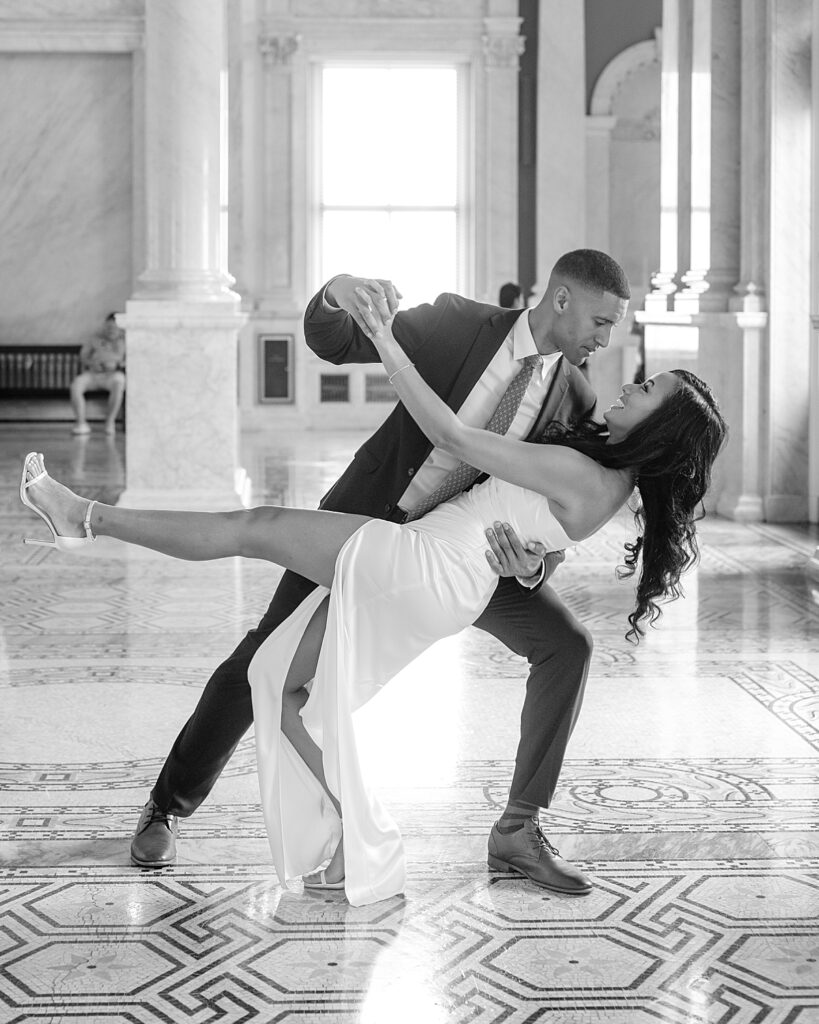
[[477, 357]]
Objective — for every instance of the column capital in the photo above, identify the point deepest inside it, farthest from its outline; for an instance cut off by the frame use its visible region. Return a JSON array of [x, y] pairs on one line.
[[502, 42], [278, 49]]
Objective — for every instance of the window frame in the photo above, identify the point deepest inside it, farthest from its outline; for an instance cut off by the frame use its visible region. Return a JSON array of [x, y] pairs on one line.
[[465, 200]]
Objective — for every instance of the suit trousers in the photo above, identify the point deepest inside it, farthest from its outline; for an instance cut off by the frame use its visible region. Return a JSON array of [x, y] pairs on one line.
[[535, 625]]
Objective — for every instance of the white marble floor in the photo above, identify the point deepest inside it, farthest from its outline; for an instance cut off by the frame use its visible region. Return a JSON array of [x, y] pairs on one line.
[[690, 795]]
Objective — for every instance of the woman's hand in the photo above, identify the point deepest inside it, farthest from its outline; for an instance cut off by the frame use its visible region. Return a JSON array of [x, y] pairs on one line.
[[369, 301], [378, 328]]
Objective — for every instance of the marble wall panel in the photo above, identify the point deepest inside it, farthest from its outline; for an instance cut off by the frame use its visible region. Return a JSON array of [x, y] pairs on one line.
[[51, 10], [65, 193]]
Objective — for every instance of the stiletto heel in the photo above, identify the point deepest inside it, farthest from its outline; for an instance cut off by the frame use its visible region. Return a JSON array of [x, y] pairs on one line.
[[318, 879], [58, 542]]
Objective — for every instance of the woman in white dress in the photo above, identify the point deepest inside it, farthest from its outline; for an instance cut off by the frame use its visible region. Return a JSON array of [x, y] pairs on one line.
[[396, 589]]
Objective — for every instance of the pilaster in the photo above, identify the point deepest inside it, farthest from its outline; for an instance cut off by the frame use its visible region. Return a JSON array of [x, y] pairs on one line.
[[812, 567], [786, 454], [498, 211], [561, 132], [280, 51], [599, 128]]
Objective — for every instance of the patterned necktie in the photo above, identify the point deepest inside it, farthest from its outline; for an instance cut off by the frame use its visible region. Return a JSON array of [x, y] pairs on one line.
[[463, 474]]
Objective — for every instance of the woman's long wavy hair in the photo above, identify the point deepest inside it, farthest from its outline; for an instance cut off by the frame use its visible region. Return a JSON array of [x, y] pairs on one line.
[[670, 453]]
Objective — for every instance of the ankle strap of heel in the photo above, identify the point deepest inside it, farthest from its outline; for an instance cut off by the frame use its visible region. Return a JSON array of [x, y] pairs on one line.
[[89, 533]]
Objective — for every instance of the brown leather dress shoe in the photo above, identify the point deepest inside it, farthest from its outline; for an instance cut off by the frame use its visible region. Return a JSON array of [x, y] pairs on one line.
[[154, 842], [528, 852]]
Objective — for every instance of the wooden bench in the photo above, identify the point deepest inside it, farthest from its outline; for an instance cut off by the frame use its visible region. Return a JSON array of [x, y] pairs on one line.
[[34, 383]]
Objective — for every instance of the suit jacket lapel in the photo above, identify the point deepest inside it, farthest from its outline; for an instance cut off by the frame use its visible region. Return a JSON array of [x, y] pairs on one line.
[[480, 355]]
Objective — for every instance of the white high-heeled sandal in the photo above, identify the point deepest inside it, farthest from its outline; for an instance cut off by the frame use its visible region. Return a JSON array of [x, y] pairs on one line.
[[321, 881], [318, 879], [58, 542]]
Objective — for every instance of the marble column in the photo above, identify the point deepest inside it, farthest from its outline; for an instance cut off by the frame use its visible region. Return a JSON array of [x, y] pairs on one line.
[[561, 132], [723, 287], [183, 319], [813, 363], [743, 386], [788, 32], [713, 268], [497, 220], [675, 109]]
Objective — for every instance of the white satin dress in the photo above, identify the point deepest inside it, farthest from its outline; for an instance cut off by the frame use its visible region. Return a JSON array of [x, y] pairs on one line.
[[397, 589]]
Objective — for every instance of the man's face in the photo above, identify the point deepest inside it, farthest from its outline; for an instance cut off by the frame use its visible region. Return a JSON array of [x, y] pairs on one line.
[[583, 320], [111, 330]]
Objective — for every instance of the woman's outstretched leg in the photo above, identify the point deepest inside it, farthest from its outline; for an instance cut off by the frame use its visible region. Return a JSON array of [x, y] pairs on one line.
[[303, 540]]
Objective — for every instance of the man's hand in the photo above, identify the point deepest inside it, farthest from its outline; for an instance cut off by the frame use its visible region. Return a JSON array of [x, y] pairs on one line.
[[509, 557], [366, 299]]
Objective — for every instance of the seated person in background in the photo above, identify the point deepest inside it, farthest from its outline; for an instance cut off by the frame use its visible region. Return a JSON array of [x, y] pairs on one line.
[[102, 365], [511, 296]]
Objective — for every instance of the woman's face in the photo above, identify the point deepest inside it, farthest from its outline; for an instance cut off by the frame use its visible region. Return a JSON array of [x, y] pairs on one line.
[[637, 401]]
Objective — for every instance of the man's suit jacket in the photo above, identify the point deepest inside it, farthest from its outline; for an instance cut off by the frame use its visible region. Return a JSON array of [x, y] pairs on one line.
[[451, 343]]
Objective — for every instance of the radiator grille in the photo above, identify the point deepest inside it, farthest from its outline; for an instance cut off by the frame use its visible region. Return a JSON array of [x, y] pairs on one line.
[[40, 370]]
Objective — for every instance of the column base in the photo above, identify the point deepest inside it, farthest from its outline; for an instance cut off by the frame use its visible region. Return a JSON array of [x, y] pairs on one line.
[[180, 501], [190, 499], [182, 440], [746, 508]]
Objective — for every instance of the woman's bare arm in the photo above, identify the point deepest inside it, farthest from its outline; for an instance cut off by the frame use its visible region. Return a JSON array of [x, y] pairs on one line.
[[567, 477]]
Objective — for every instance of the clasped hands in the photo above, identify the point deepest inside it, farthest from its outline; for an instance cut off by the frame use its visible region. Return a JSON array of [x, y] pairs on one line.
[[509, 557], [371, 302]]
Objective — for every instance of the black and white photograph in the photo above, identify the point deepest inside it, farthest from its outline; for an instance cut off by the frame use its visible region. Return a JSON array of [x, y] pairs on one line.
[[409, 533]]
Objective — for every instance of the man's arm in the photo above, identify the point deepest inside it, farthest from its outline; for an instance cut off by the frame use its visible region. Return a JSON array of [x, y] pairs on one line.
[[333, 318], [335, 334], [87, 353], [530, 565]]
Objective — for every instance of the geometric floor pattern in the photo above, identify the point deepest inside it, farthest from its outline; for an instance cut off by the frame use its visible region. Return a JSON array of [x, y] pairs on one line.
[[690, 795]]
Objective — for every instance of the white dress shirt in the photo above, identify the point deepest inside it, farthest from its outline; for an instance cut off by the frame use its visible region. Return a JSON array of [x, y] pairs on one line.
[[482, 401]]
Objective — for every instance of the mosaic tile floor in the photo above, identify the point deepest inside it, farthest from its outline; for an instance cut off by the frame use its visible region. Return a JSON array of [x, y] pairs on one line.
[[690, 795]]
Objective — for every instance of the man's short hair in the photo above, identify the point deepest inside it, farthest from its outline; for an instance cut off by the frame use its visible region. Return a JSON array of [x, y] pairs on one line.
[[595, 270]]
